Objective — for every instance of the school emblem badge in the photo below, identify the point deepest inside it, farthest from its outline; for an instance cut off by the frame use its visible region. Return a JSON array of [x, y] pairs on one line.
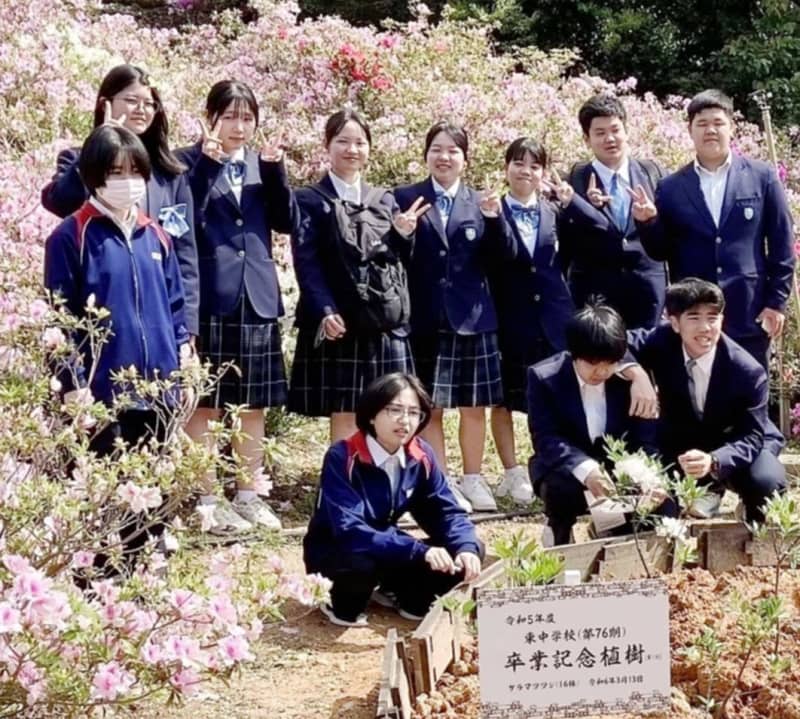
[[748, 213], [470, 233]]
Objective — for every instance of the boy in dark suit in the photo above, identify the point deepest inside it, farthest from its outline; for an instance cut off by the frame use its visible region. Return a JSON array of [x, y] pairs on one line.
[[713, 395], [724, 218], [608, 259], [574, 398]]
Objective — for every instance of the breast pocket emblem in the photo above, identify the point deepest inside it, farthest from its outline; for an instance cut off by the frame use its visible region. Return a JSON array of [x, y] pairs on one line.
[[748, 213]]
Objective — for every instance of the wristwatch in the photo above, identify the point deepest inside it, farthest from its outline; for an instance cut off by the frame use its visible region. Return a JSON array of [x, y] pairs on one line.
[[714, 472]]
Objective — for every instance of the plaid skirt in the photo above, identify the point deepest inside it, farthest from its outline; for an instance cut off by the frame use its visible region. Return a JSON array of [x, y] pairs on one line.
[[514, 364], [253, 344], [331, 377], [460, 370]]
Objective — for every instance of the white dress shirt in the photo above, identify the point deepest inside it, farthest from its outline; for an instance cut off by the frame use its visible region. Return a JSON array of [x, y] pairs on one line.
[[701, 374], [392, 464], [528, 234], [347, 192], [451, 192], [605, 173], [127, 226], [593, 398], [712, 185]]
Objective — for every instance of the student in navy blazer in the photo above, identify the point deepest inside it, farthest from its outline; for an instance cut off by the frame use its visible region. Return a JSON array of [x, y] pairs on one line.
[[240, 197], [453, 318], [713, 394], [531, 296], [724, 218], [126, 96], [574, 398], [608, 260]]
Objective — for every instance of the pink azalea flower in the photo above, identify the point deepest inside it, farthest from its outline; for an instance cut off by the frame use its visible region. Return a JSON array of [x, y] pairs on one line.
[[9, 619], [139, 499], [111, 681], [221, 609], [52, 338], [82, 558], [186, 681], [38, 309], [235, 649]]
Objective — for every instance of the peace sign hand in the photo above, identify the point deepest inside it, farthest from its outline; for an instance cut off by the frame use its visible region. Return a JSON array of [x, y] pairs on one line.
[[563, 190], [642, 207], [406, 222], [108, 116], [212, 145], [271, 151], [490, 204], [595, 195]]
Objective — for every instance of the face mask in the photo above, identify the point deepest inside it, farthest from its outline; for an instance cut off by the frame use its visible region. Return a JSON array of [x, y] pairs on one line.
[[122, 193]]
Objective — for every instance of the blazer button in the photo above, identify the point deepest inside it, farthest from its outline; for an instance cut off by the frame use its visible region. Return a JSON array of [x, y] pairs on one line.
[[442, 253], [719, 270], [533, 269], [719, 240], [239, 222], [443, 282], [536, 298], [624, 242], [241, 253]]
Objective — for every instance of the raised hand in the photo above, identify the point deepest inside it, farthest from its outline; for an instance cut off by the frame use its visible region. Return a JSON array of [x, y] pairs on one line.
[[212, 145], [108, 116], [562, 189], [595, 195], [490, 204], [642, 207], [406, 222], [271, 150]]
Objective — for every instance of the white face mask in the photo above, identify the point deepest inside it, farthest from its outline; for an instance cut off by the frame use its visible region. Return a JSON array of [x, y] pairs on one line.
[[122, 193]]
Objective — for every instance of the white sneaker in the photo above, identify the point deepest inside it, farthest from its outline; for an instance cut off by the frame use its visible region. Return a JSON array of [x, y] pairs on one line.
[[517, 483], [463, 502], [226, 521], [257, 512], [359, 621], [475, 488], [705, 507]]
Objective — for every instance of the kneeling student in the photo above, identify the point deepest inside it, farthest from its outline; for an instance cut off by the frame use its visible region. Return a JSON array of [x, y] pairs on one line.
[[574, 399], [714, 421], [368, 481]]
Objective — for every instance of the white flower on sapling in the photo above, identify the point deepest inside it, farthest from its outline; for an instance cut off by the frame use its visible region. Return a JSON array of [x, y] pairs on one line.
[[672, 529]]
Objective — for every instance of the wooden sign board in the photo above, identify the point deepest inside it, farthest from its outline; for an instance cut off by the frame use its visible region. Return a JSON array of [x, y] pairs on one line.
[[574, 651]]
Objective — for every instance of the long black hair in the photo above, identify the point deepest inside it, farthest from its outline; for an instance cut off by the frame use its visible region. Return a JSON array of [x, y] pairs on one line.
[[154, 138]]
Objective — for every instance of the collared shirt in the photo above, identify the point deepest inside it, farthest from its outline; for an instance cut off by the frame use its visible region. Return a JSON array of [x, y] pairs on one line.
[[346, 192], [701, 374], [392, 464], [605, 173], [451, 192], [593, 398], [527, 232], [236, 187], [712, 185], [127, 226]]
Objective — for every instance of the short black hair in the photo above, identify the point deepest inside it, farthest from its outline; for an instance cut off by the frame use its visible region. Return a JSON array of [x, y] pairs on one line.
[[382, 391], [338, 120], [596, 333], [707, 100], [456, 133], [602, 105], [690, 292], [526, 146], [225, 92], [100, 152]]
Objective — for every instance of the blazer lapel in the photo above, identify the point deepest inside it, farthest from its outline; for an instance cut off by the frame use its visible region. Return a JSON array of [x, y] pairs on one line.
[[547, 235], [460, 209], [732, 189], [716, 382], [570, 392], [617, 399], [433, 216], [691, 187], [251, 184]]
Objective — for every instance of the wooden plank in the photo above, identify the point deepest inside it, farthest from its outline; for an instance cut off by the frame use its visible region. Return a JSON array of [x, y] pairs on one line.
[[401, 694], [435, 643], [386, 704], [723, 549], [417, 655]]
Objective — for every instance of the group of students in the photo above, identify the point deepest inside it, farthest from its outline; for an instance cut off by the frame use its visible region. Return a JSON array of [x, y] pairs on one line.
[[465, 290]]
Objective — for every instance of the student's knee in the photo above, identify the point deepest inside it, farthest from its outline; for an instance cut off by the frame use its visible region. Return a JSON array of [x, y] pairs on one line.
[[563, 497], [767, 475]]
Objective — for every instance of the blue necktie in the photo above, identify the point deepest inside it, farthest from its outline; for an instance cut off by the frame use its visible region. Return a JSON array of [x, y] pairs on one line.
[[444, 202], [234, 171], [619, 203], [526, 215], [698, 410]]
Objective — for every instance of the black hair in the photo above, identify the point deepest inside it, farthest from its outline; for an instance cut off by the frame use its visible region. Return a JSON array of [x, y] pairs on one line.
[[602, 105], [101, 150], [225, 92], [596, 333], [526, 146], [382, 391], [707, 100], [690, 292], [155, 137], [456, 133], [338, 120]]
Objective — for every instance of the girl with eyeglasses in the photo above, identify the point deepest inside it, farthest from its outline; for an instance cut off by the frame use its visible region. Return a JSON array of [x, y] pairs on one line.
[[127, 98], [368, 482]]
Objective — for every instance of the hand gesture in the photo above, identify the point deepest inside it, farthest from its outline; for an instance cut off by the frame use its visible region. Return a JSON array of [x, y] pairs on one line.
[[406, 222], [470, 563], [562, 189], [595, 195], [212, 145], [490, 204], [771, 321], [333, 326], [439, 560], [598, 484], [642, 207], [271, 151], [695, 462], [108, 116]]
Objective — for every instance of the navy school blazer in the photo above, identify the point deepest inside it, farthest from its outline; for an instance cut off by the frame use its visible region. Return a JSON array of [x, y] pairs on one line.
[[734, 426], [530, 293], [750, 256], [234, 240], [325, 285], [447, 278], [65, 194], [605, 260], [557, 421]]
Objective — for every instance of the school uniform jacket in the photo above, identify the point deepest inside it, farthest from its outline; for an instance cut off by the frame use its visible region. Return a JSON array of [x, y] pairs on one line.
[[447, 279], [325, 284], [734, 426], [557, 420], [138, 281], [605, 260], [168, 200], [530, 293], [750, 256], [357, 512], [234, 239]]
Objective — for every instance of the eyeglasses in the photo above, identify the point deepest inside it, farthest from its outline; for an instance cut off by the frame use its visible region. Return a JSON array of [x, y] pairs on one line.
[[398, 412], [133, 103]]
